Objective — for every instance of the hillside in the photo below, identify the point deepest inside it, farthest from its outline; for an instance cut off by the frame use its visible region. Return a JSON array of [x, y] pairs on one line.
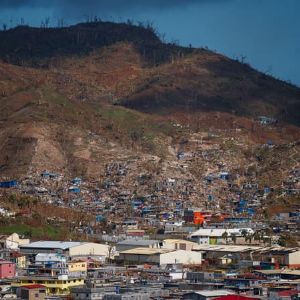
[[170, 76], [36, 46], [74, 100]]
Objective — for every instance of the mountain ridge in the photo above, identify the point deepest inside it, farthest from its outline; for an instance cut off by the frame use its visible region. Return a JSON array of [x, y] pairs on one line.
[[76, 111]]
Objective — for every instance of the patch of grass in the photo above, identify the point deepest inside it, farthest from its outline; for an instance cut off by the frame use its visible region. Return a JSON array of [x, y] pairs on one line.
[[41, 232]]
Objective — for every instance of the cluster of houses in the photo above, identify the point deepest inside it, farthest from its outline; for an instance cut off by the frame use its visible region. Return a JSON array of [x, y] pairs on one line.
[[158, 235], [170, 205], [140, 268]]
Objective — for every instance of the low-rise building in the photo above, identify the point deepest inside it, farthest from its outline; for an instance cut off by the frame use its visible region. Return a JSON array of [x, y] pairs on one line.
[[70, 250], [89, 293], [12, 241], [77, 268], [161, 256], [206, 294], [32, 292], [215, 236], [60, 285], [137, 243], [177, 244]]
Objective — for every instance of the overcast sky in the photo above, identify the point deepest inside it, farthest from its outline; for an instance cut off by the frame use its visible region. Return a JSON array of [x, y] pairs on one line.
[[266, 32]]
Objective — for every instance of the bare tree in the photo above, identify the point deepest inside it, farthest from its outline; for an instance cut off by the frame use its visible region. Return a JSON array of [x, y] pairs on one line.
[[45, 23], [60, 22]]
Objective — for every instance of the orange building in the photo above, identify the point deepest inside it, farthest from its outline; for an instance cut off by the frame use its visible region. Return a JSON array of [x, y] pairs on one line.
[[198, 218]]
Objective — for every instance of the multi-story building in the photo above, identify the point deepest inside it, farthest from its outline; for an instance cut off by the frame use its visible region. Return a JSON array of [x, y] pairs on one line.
[[59, 285]]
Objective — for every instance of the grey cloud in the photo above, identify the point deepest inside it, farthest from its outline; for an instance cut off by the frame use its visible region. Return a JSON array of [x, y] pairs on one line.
[[98, 5]]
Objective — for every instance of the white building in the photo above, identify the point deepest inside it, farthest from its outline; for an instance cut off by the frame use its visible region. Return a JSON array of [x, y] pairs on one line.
[[160, 256], [12, 241], [137, 243], [69, 249], [49, 258], [177, 244], [214, 236]]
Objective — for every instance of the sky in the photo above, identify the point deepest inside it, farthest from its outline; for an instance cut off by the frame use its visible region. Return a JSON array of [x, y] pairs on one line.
[[265, 32]]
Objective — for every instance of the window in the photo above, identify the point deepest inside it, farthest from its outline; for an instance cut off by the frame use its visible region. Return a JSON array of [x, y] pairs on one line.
[[36, 295]]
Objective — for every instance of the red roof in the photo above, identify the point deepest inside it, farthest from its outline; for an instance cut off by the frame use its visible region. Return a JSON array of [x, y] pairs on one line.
[[235, 297], [16, 254], [288, 293], [33, 286]]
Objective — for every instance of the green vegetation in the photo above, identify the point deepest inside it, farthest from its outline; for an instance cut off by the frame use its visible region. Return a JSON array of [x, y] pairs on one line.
[[40, 232]]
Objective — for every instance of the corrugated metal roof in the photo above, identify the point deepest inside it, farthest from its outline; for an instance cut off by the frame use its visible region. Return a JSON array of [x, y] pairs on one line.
[[178, 241], [146, 251], [138, 242], [217, 232], [52, 245], [227, 248], [278, 272], [213, 293]]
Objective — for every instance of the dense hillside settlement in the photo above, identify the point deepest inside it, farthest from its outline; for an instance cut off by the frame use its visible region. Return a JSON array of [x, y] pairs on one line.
[[135, 169]]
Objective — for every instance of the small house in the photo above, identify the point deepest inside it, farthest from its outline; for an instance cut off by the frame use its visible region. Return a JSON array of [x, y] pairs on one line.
[[76, 181], [32, 292], [224, 176], [45, 174], [264, 120], [8, 184], [74, 189]]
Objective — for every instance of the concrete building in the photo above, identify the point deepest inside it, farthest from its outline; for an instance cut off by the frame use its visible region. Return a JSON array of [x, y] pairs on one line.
[[289, 257], [117, 293], [77, 268], [32, 292], [12, 241], [176, 244], [160, 256], [206, 294], [128, 296], [137, 243], [91, 293], [17, 258], [215, 236], [54, 285], [69, 249], [49, 259]]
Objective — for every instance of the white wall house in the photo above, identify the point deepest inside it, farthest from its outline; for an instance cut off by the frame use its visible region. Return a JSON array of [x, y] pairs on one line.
[[160, 256], [215, 236]]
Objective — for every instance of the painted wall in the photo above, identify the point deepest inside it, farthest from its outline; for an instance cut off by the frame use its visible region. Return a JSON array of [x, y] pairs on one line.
[[89, 249], [181, 257], [7, 270]]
